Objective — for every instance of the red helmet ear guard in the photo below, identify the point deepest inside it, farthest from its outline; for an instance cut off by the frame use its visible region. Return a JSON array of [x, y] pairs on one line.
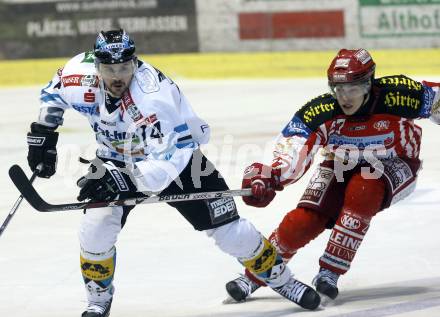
[[351, 66]]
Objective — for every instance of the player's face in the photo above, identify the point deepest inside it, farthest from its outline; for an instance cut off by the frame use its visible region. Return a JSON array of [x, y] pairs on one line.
[[351, 96], [117, 77]]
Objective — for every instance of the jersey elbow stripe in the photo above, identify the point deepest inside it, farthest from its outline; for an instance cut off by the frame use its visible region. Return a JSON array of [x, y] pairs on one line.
[[185, 142], [181, 128], [186, 145], [52, 97], [185, 138], [184, 128]]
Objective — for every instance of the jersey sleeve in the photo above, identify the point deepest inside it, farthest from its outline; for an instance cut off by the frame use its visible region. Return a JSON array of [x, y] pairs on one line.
[[295, 148], [431, 101], [52, 103], [199, 128], [302, 137], [402, 96], [77, 77]]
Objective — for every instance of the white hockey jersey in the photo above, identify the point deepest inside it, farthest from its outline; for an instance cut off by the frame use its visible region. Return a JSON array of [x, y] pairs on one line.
[[155, 127]]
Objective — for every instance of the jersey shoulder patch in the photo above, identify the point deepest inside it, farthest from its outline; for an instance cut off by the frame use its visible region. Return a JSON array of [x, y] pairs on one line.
[[76, 73], [318, 110], [399, 95], [80, 80], [296, 127], [148, 82], [398, 81]]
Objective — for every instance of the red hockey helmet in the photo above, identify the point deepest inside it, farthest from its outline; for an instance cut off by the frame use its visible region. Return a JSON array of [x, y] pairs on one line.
[[351, 66]]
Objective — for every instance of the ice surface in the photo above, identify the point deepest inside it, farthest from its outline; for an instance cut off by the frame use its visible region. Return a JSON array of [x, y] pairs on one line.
[[165, 268]]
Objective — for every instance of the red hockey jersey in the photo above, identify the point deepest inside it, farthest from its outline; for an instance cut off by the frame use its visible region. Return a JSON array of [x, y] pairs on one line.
[[382, 128]]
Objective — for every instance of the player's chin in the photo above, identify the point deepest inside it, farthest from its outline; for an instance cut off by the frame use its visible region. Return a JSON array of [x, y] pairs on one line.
[[348, 109], [117, 90]]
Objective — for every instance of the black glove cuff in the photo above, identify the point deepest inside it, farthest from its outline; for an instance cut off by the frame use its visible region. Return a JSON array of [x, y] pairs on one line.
[[41, 135]]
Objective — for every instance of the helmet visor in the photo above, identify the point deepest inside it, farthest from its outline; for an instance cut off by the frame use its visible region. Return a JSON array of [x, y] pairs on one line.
[[116, 71], [352, 90]]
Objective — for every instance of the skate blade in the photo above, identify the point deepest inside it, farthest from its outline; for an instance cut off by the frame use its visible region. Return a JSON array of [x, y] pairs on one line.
[[229, 300], [326, 301]]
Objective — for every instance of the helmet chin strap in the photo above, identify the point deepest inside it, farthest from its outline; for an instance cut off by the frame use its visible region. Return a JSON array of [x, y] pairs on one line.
[[366, 98], [364, 102], [367, 95]]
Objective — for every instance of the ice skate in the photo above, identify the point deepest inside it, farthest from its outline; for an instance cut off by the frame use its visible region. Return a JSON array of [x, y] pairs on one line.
[[299, 293], [97, 309], [241, 288], [325, 283]]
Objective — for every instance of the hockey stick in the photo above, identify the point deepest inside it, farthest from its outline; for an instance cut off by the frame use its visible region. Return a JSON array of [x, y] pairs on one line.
[[30, 194], [19, 200]]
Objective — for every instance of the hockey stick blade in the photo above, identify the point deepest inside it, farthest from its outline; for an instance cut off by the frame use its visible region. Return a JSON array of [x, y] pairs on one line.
[[23, 184]]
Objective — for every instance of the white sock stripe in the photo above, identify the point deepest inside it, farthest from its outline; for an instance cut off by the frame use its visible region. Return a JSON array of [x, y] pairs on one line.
[[98, 256], [336, 259], [342, 267]]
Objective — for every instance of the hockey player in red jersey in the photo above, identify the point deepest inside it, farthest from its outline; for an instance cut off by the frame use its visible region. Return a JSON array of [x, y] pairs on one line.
[[371, 146]]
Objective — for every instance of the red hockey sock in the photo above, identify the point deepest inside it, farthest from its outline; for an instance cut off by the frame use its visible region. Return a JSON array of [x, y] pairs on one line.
[[363, 199], [298, 228]]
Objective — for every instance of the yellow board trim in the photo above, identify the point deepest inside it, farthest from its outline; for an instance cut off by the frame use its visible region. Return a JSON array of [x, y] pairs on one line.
[[257, 65]]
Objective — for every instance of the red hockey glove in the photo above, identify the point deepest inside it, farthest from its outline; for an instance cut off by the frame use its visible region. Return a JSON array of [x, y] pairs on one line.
[[264, 181]]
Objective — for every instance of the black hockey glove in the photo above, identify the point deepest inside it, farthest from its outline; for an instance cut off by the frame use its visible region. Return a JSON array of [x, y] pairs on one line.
[[104, 182], [42, 143]]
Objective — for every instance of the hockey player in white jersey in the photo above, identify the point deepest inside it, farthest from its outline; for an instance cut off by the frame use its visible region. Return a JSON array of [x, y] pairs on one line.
[[148, 140]]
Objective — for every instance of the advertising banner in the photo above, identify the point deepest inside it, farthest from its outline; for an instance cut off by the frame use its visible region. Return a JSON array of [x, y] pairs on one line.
[[402, 18], [64, 28], [274, 25], [299, 24]]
